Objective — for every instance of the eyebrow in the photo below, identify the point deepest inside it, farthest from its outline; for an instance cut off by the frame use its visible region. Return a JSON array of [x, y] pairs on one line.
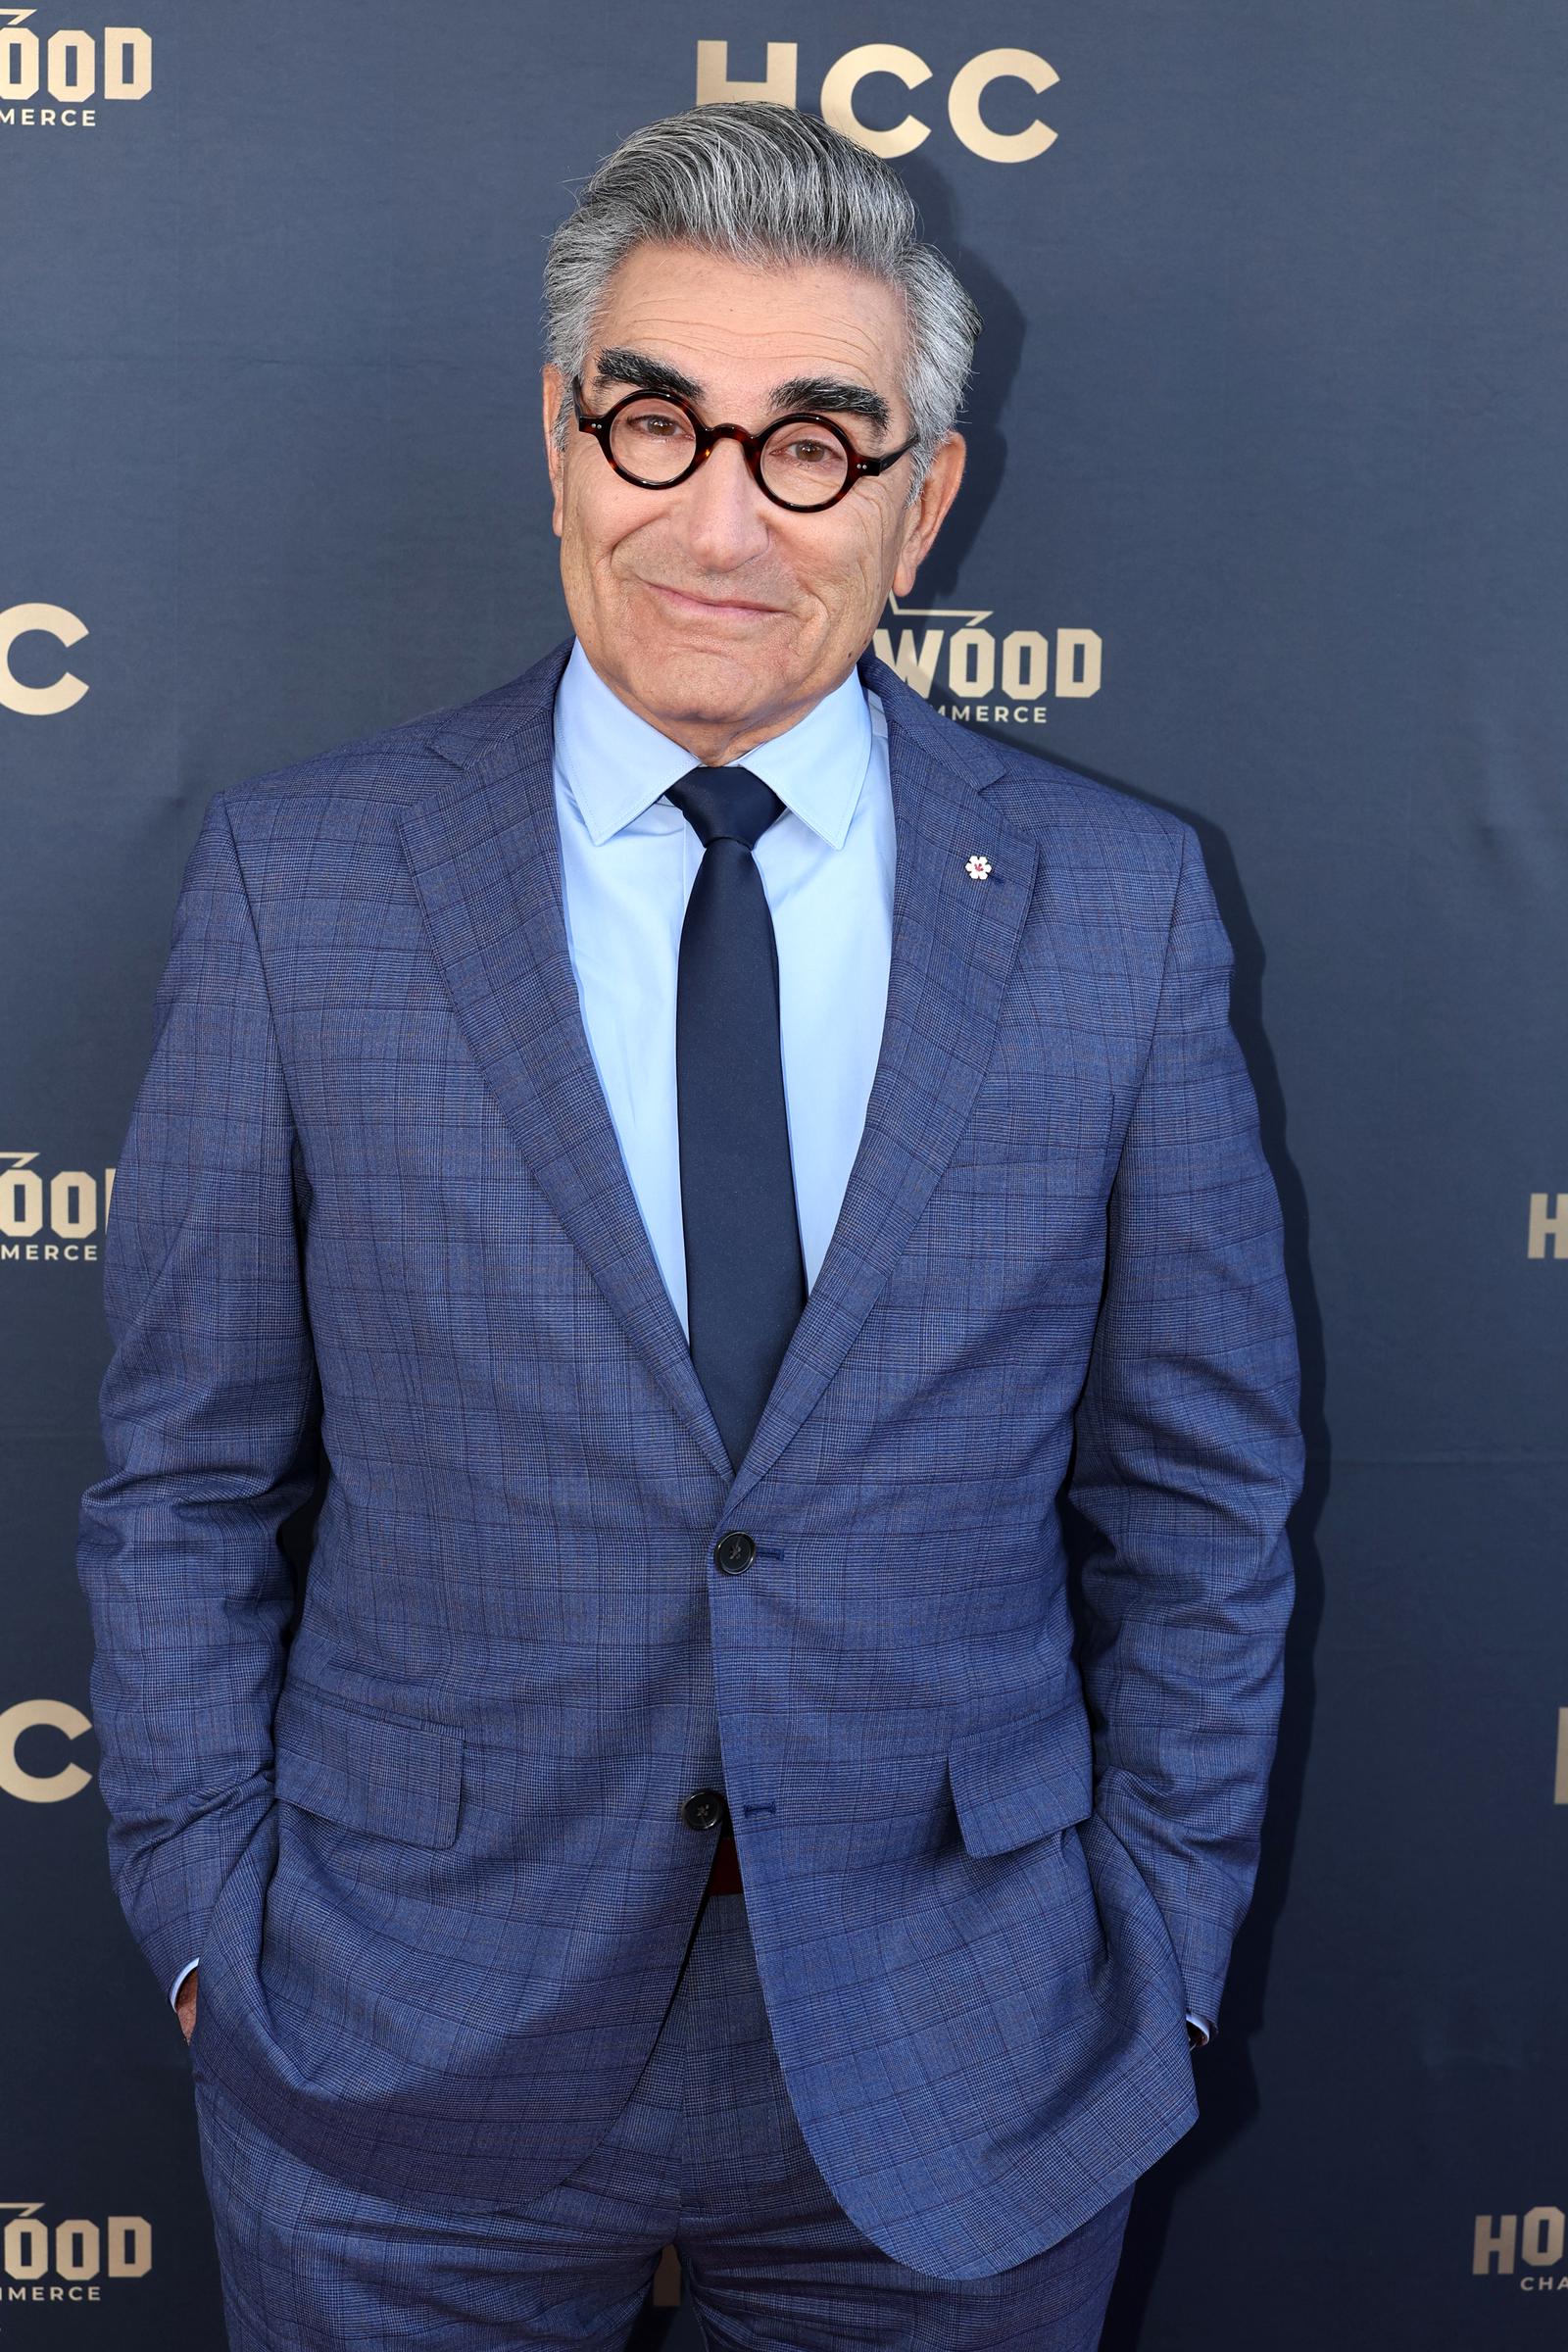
[[830, 395]]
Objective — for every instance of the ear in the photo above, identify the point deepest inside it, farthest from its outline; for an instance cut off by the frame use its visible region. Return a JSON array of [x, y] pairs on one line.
[[552, 388], [924, 519]]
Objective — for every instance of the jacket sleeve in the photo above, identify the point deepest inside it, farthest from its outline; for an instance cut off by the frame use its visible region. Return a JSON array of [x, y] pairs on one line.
[[1188, 1458], [209, 1412]]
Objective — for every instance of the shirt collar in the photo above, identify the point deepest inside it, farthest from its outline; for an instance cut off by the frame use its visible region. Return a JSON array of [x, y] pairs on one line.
[[616, 765]]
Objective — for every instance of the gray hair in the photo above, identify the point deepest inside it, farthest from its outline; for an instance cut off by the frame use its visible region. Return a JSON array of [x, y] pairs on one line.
[[758, 183]]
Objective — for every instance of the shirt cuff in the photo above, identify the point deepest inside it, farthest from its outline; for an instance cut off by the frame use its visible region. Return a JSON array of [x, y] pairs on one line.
[[1203, 2025], [179, 1981]]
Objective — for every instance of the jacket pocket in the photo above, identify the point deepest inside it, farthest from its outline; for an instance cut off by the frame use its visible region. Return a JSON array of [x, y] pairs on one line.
[[1023, 1777], [363, 1770]]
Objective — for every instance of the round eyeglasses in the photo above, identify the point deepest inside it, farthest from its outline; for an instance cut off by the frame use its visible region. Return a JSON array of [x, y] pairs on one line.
[[656, 440]]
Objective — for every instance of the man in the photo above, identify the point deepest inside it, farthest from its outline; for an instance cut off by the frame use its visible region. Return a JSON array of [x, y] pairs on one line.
[[698, 1161]]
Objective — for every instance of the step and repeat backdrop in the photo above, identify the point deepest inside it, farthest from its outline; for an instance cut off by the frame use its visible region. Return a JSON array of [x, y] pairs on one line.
[[1264, 521]]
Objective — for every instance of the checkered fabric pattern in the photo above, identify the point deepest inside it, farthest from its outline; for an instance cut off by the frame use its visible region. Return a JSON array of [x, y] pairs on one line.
[[423, 1822], [706, 2155]]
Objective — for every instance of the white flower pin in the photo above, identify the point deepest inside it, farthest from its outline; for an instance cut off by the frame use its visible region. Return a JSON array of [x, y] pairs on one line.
[[977, 868]]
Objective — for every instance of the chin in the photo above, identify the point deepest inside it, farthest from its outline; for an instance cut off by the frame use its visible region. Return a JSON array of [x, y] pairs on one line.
[[700, 681]]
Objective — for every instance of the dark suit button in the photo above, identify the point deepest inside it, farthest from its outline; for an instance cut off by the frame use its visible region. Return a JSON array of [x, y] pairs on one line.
[[705, 1810], [735, 1551]]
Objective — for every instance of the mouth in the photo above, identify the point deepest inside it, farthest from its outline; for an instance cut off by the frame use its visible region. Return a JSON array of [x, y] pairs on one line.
[[712, 608]]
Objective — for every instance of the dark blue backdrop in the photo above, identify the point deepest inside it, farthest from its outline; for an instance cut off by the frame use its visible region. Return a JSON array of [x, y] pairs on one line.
[[1267, 446]]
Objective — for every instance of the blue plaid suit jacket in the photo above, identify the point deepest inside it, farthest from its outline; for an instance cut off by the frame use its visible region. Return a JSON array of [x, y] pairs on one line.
[[424, 1824]]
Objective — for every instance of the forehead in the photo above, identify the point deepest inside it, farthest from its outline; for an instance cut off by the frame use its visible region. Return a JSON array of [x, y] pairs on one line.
[[740, 326]]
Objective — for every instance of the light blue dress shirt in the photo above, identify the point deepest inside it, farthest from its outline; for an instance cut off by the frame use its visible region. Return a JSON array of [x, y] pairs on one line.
[[628, 862]]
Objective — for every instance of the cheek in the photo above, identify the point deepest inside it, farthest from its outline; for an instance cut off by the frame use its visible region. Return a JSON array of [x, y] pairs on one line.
[[593, 540], [598, 512], [857, 570], [867, 535]]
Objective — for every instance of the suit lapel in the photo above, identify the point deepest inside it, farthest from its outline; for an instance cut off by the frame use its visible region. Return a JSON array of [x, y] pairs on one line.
[[954, 943], [485, 857]]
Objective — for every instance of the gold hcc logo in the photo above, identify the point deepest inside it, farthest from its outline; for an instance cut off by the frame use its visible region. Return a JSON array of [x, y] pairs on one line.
[[843, 79], [40, 1788], [1548, 1224], [49, 621]]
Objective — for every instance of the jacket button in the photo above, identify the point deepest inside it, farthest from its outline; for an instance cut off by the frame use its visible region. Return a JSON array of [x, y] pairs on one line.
[[734, 1551], [705, 1810]]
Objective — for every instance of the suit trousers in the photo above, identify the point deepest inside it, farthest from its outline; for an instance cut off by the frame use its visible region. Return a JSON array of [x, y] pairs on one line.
[[705, 2155]]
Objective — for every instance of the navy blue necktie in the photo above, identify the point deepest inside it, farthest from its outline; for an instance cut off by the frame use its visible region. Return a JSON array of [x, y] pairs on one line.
[[745, 1275]]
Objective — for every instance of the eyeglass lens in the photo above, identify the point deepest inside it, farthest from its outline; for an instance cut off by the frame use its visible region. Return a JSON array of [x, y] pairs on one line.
[[653, 439]]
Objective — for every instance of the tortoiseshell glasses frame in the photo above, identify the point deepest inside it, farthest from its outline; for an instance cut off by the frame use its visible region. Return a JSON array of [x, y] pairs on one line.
[[704, 438]]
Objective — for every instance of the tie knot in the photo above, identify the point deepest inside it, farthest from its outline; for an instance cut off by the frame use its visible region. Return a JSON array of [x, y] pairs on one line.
[[727, 804]]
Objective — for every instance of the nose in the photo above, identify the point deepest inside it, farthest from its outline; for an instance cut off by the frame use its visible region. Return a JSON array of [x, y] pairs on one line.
[[722, 511]]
